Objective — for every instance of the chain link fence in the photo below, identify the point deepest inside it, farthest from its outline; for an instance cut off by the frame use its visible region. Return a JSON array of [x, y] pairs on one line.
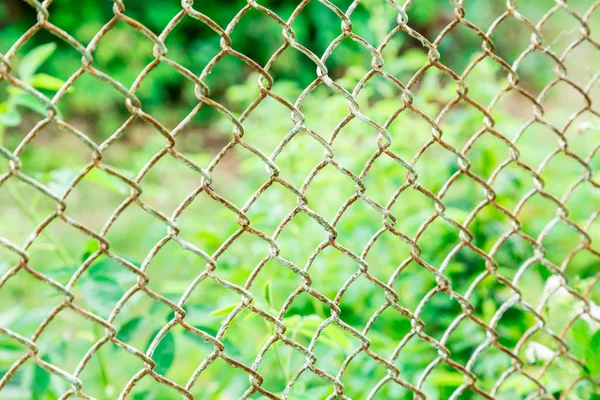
[[399, 348]]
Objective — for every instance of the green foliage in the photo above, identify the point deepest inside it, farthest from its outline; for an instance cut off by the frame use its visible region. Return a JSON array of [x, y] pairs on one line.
[[99, 111], [164, 354], [10, 109]]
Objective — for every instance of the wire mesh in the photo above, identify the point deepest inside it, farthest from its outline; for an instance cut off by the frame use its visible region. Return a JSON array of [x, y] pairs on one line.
[[406, 168]]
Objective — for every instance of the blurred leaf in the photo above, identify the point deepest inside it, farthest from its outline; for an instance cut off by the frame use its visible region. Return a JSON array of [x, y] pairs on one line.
[[62, 273], [446, 378], [267, 293], [337, 335], [164, 354], [592, 355], [194, 337], [59, 179], [223, 311], [41, 380], [45, 81], [520, 384], [130, 328], [581, 334], [9, 115], [101, 293], [144, 395], [91, 247], [106, 267], [31, 102], [34, 59], [107, 181], [325, 339]]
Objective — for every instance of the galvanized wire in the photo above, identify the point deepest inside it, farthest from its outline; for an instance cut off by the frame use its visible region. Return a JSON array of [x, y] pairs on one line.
[[388, 220]]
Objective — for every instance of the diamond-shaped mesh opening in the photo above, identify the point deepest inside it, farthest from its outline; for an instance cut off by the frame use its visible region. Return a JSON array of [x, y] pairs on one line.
[[366, 365], [97, 188], [305, 226], [545, 66], [129, 219], [20, 218], [13, 290], [237, 263], [558, 110], [335, 185]]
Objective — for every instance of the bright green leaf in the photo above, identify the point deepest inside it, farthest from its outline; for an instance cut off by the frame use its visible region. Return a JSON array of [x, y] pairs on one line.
[[223, 311], [45, 81], [107, 181], [34, 59], [446, 378], [337, 335], [9, 115]]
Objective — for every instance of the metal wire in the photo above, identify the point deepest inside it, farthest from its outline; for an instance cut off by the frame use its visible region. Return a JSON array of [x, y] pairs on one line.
[[388, 220]]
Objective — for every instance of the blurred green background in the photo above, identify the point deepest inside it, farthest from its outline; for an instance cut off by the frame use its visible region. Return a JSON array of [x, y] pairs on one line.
[[55, 157]]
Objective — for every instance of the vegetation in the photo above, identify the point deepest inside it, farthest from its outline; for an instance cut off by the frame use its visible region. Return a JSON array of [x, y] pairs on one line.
[[55, 157]]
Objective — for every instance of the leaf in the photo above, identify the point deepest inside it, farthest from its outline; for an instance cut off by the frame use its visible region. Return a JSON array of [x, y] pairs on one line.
[[144, 395], [581, 334], [101, 293], [164, 354], [224, 311], [337, 335], [41, 380], [31, 102], [9, 115], [107, 181], [34, 59], [267, 293], [45, 81], [130, 328], [446, 378], [109, 268], [205, 329], [592, 355]]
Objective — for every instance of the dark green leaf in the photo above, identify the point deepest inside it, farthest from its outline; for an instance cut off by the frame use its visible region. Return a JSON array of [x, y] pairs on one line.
[[194, 337], [130, 328], [267, 293], [144, 395], [592, 355], [164, 354], [41, 381]]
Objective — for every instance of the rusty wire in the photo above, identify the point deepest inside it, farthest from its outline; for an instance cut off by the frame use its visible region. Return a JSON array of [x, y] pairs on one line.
[[388, 220]]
